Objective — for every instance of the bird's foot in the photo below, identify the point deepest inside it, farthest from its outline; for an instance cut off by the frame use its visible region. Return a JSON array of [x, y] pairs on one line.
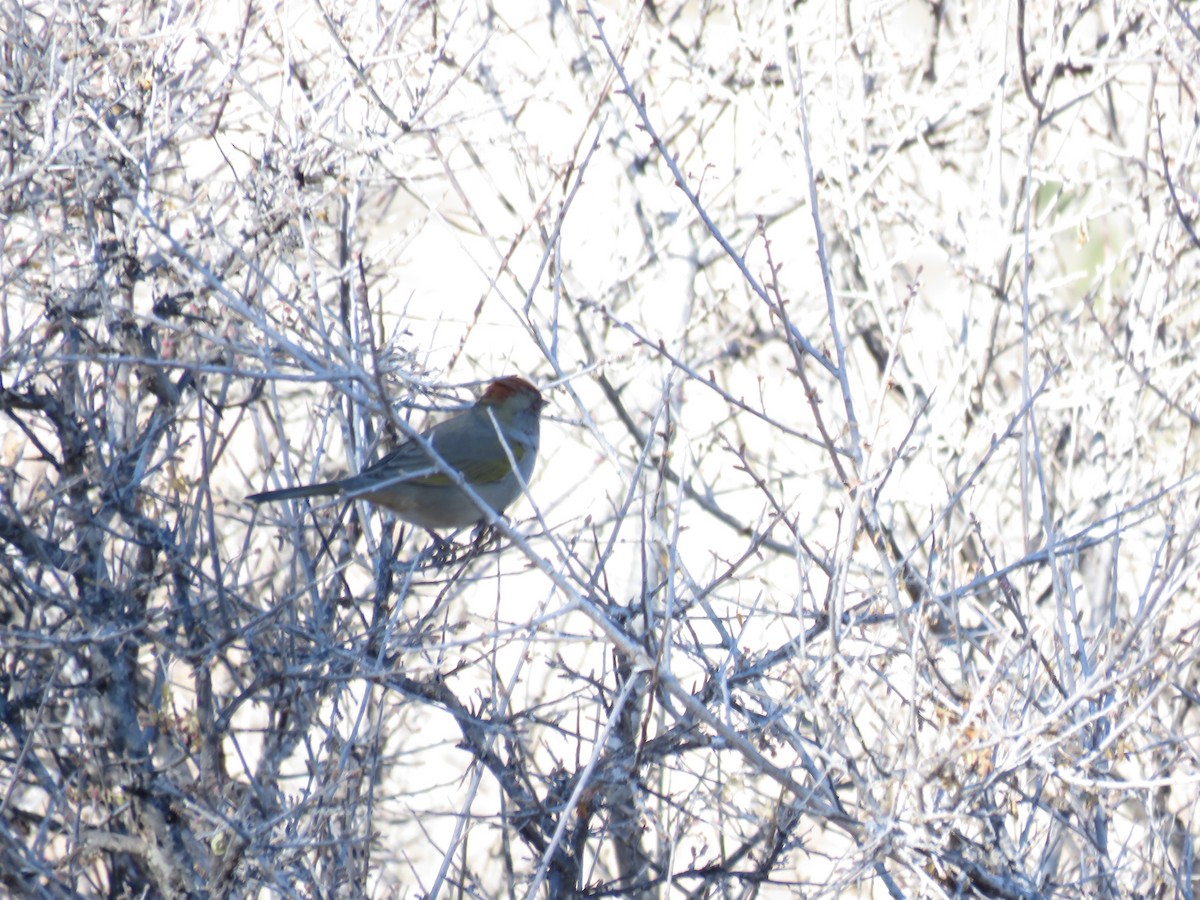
[[483, 536], [443, 552]]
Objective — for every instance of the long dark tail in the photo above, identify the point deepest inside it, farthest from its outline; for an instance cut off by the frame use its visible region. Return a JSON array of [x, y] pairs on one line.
[[324, 489]]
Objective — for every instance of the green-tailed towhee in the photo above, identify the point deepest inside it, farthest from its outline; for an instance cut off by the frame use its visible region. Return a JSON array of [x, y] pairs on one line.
[[476, 443]]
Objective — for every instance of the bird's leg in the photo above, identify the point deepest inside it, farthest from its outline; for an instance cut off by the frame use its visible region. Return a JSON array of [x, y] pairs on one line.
[[444, 552], [483, 536]]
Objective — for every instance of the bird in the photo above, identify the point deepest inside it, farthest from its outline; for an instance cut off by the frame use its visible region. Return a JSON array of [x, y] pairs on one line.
[[478, 443]]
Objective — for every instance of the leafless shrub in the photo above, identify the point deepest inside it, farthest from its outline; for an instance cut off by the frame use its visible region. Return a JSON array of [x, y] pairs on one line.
[[861, 555]]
